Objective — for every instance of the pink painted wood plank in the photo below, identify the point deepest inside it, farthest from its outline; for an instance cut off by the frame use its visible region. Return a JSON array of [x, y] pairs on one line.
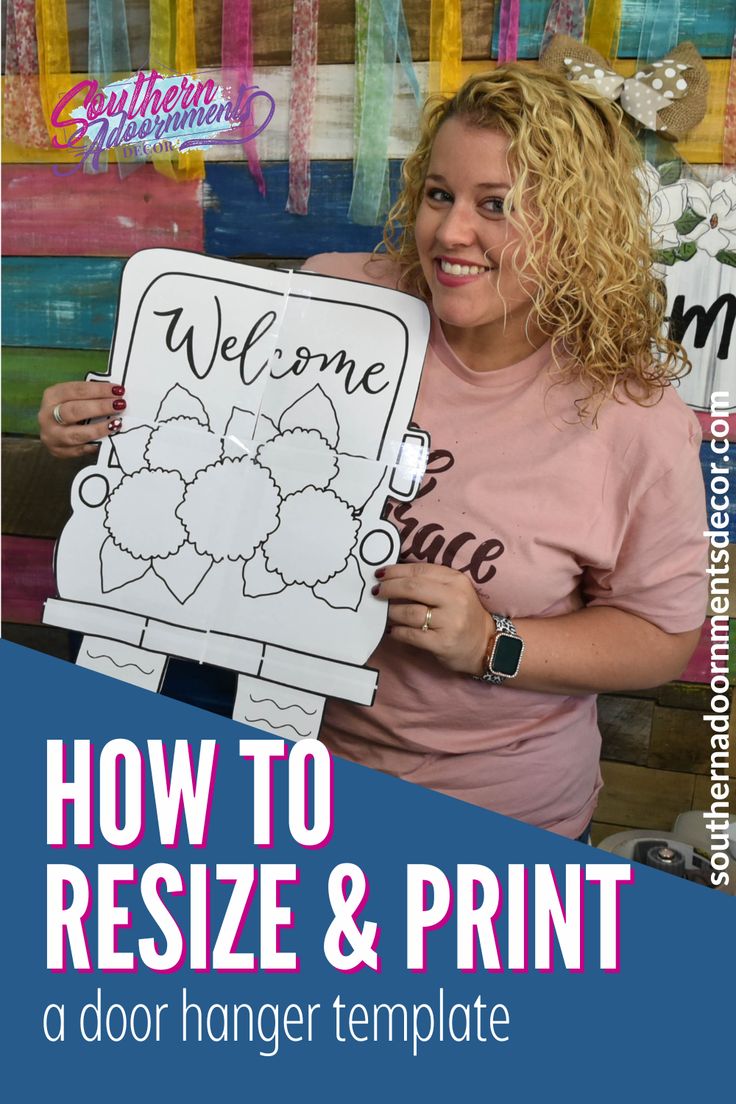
[[28, 578], [98, 215], [705, 420], [698, 669]]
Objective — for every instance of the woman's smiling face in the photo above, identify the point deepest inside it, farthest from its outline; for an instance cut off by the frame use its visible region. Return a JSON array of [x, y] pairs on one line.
[[466, 243]]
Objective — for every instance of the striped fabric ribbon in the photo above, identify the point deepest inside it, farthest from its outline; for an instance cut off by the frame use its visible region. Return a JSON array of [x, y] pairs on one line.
[[729, 122], [445, 46], [603, 26], [379, 41], [23, 119], [565, 17], [508, 31], [52, 40], [237, 65], [108, 53], [304, 27]]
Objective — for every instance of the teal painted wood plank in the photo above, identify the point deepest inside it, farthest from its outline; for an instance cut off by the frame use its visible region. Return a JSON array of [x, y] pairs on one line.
[[28, 372], [710, 24], [239, 222], [60, 302]]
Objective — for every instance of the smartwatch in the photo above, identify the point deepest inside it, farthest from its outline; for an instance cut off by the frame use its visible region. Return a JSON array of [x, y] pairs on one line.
[[503, 654]]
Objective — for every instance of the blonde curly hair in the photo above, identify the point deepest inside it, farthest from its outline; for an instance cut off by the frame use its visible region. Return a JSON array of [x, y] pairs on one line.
[[587, 240]]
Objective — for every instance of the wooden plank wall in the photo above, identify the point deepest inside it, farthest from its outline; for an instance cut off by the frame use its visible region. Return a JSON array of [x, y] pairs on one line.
[[66, 240]]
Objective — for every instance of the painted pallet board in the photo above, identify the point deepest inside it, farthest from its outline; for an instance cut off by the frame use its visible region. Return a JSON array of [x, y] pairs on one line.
[[28, 578], [679, 742], [641, 797], [136, 14], [69, 303], [333, 120], [36, 489], [706, 459], [705, 423], [710, 24], [28, 372], [42, 638], [271, 23], [208, 31], [477, 29], [625, 725], [698, 669], [62, 302], [731, 591], [102, 215], [239, 222], [685, 695]]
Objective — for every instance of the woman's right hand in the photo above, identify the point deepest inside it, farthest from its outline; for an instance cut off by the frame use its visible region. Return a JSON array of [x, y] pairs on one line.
[[66, 434]]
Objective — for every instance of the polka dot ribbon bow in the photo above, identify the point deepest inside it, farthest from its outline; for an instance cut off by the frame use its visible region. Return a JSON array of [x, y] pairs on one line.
[[668, 96]]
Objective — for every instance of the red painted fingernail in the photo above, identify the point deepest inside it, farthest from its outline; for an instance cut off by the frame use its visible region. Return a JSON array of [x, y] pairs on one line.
[[115, 426], [375, 590], [118, 390], [380, 573], [119, 404]]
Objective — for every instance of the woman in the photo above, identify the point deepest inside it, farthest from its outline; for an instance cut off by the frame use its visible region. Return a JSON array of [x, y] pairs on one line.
[[555, 549]]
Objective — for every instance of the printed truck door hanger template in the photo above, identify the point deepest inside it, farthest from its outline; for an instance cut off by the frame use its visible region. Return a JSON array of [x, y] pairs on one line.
[[236, 520]]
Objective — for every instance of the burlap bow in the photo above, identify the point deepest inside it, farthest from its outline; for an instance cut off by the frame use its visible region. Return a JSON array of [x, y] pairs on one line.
[[668, 96]]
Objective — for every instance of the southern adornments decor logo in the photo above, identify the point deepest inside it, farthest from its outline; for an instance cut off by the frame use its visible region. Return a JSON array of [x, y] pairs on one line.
[[150, 113]]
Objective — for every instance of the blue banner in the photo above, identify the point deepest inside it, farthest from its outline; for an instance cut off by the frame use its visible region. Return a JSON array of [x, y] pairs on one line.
[[389, 941]]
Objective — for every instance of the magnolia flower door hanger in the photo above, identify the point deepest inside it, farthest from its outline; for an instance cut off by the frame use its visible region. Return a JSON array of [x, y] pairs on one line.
[[236, 519]]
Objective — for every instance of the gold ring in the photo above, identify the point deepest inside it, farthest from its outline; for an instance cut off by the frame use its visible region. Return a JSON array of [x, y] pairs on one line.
[[427, 619]]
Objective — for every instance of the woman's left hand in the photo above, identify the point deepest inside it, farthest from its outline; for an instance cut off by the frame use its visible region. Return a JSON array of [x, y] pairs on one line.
[[442, 599]]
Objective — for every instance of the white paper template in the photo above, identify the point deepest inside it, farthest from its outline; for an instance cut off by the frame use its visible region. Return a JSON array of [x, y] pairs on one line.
[[236, 519]]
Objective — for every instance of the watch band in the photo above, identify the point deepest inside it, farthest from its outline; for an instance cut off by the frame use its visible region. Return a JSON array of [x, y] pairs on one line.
[[503, 653]]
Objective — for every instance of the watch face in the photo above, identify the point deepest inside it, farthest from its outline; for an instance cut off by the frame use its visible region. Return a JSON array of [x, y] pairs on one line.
[[506, 657]]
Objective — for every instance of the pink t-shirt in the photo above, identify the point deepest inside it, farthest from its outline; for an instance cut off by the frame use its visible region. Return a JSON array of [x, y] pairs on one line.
[[544, 515]]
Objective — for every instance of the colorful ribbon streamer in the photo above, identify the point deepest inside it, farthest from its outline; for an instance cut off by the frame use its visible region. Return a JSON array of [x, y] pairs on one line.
[[301, 103], [172, 50], [361, 40], [659, 33], [370, 194], [385, 39], [237, 60], [660, 29], [564, 17], [445, 46], [162, 41], [361, 50], [603, 26], [729, 121], [403, 48], [52, 40], [108, 53], [22, 116], [508, 31]]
